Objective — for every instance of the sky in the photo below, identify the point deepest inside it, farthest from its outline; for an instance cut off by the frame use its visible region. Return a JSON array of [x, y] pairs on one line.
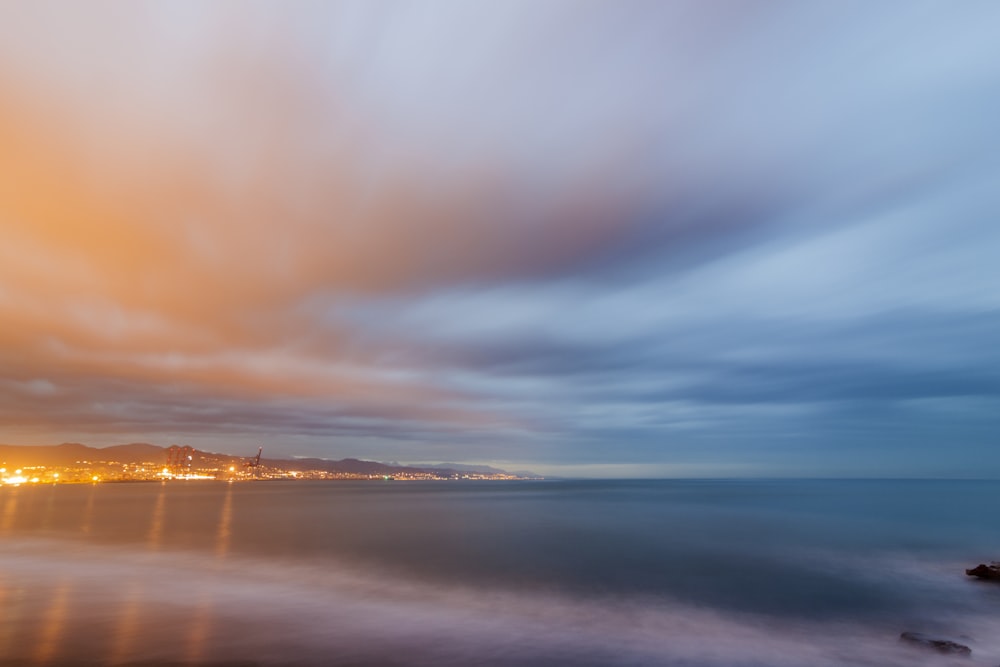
[[625, 239]]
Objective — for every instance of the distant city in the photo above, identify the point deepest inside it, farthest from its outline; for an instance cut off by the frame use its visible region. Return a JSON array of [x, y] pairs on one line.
[[73, 463]]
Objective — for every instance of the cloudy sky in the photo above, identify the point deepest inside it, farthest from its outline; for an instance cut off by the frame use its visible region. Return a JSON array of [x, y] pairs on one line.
[[590, 238]]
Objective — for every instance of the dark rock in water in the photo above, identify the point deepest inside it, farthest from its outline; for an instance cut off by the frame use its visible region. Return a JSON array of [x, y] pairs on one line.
[[940, 645], [983, 571]]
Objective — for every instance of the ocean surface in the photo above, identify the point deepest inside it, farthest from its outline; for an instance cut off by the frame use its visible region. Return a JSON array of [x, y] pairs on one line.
[[685, 573]]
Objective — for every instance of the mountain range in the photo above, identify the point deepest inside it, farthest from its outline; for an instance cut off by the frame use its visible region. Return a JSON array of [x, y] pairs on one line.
[[71, 453]]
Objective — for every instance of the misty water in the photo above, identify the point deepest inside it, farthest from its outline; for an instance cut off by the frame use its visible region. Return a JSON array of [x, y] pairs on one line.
[[699, 573]]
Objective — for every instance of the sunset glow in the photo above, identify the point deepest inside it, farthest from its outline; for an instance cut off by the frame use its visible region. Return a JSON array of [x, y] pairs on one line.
[[599, 239]]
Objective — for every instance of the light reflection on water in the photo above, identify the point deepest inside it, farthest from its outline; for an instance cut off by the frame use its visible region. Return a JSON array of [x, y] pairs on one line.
[[209, 573], [126, 630], [223, 533], [88, 510], [11, 601], [9, 510], [202, 617], [114, 617], [50, 504], [199, 628], [155, 534], [53, 624]]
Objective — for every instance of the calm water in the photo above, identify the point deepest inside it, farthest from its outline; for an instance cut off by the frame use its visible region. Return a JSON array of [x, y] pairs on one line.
[[699, 573]]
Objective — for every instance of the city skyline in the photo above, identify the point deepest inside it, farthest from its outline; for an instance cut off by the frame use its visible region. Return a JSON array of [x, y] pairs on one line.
[[636, 239]]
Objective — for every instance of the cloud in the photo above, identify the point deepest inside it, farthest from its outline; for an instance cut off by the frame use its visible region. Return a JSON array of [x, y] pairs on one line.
[[521, 225]]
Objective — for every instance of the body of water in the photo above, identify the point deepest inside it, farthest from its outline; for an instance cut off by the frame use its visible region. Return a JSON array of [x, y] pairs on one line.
[[686, 573]]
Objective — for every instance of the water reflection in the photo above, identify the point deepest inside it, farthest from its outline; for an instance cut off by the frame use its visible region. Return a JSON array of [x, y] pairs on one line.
[[198, 633], [50, 497], [9, 511], [127, 626], [88, 511], [223, 533], [12, 604], [53, 624], [155, 534], [314, 575], [203, 614]]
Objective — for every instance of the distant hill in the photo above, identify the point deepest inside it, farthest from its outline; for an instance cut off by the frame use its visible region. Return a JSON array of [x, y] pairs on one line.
[[65, 454], [359, 467], [354, 466], [465, 467], [137, 452], [70, 453]]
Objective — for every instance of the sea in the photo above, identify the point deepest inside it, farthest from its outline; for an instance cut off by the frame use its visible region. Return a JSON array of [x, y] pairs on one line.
[[687, 573]]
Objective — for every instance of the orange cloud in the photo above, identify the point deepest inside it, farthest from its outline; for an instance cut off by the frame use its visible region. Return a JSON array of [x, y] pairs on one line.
[[169, 220]]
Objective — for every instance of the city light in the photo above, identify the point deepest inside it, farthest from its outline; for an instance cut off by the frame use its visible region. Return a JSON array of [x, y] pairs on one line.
[[221, 468]]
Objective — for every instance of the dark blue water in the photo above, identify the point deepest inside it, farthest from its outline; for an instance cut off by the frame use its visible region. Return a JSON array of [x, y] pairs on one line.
[[506, 573]]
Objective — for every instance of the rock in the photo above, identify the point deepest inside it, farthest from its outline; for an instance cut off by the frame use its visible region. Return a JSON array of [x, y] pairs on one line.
[[983, 571], [940, 645]]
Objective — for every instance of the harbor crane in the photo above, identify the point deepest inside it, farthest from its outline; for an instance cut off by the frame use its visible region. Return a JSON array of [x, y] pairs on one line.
[[253, 461]]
